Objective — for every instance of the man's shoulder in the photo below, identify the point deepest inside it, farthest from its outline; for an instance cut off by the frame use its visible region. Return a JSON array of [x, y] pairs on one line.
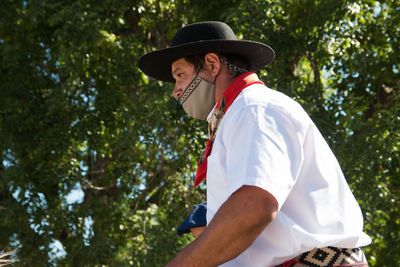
[[261, 95], [259, 99]]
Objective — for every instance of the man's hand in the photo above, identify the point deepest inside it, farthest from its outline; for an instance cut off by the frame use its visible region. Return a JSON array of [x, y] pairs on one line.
[[196, 231], [238, 222]]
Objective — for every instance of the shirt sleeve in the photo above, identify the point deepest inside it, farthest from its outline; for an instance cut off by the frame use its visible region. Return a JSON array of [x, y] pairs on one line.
[[264, 149]]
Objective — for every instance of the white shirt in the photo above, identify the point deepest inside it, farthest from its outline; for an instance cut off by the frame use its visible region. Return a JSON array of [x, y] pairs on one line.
[[267, 140]]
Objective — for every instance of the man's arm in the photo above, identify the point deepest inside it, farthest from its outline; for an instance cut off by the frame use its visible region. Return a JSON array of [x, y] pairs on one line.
[[238, 222]]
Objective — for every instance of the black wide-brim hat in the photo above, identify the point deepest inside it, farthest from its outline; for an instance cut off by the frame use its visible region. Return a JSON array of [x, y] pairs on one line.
[[201, 38]]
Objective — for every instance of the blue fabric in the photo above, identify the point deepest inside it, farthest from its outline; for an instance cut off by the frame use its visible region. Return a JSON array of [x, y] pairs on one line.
[[195, 219]]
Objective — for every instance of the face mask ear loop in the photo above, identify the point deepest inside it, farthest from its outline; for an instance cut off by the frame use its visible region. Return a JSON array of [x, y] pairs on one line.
[[215, 79], [197, 73], [201, 67]]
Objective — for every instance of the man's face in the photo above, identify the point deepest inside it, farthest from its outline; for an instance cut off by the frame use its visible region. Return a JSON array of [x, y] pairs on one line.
[[183, 72]]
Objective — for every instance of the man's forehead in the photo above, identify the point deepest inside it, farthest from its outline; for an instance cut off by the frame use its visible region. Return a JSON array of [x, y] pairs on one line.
[[178, 63]]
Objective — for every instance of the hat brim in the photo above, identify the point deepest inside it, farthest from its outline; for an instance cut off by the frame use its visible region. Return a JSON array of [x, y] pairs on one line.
[[157, 64]]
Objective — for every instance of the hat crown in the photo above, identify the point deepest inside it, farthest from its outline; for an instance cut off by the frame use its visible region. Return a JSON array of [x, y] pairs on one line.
[[203, 31]]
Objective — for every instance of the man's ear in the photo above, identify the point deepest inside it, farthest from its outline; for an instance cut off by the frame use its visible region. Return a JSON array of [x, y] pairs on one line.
[[213, 64]]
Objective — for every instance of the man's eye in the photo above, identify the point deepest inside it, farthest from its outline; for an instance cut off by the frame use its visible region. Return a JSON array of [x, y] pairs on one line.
[[179, 75]]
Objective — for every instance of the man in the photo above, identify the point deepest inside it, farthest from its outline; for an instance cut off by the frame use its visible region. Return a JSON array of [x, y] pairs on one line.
[[275, 192]]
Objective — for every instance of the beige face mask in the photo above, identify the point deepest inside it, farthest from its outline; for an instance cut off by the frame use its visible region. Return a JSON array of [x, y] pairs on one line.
[[198, 98]]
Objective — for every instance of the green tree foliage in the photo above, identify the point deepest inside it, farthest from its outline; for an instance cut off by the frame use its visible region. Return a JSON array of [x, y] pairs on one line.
[[77, 116]]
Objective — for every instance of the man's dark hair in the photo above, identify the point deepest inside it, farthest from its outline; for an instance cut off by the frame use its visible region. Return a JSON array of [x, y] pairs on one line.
[[235, 64]]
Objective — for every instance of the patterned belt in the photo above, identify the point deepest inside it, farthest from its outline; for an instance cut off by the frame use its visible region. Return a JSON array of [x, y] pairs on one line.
[[329, 257]]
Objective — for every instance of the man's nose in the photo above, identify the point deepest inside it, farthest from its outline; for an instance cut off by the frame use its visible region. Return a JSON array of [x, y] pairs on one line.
[[177, 91]]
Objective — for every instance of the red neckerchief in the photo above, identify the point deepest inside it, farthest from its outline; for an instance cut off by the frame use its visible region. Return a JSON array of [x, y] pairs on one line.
[[230, 94]]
